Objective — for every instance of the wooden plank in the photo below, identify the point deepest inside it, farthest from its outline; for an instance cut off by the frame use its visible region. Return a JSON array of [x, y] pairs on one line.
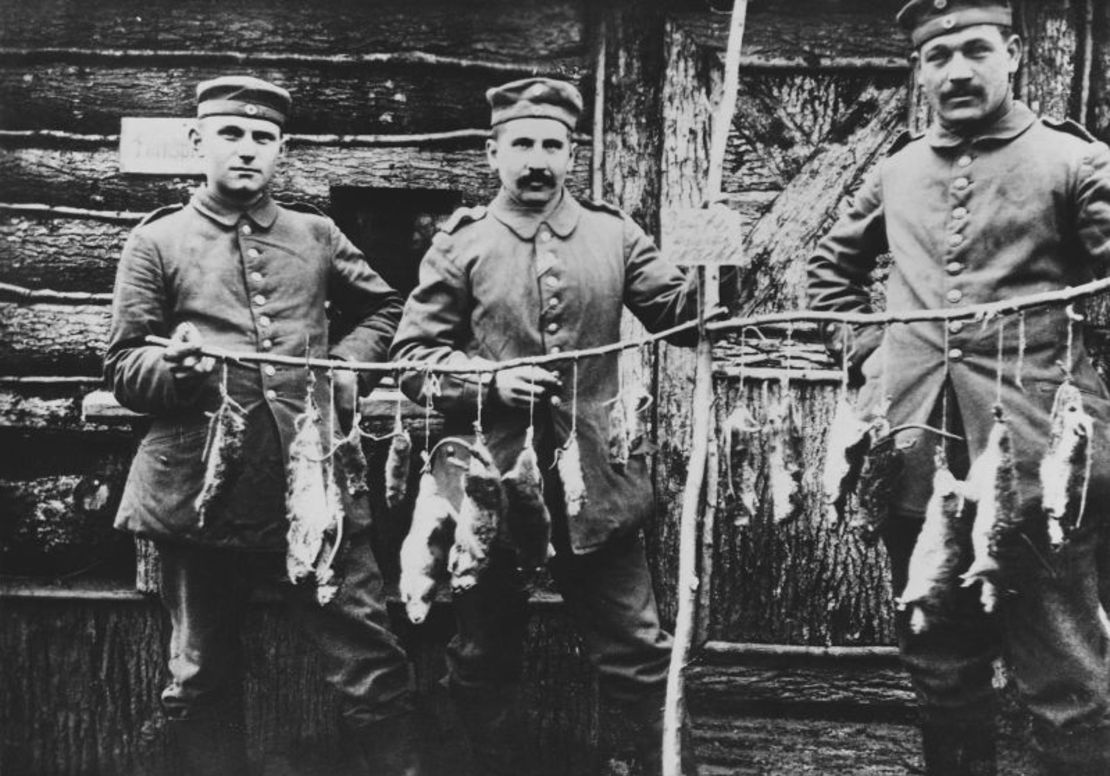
[[65, 254], [83, 177], [501, 30], [372, 98], [804, 581]]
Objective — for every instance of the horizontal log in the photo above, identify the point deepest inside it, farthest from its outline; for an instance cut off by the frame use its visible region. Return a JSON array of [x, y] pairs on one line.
[[772, 746], [66, 254], [830, 692], [100, 406], [84, 177], [813, 33], [370, 98], [500, 30], [32, 406], [62, 525], [50, 339]]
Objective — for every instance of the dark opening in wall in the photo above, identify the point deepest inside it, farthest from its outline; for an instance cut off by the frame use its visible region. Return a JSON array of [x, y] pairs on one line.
[[393, 227]]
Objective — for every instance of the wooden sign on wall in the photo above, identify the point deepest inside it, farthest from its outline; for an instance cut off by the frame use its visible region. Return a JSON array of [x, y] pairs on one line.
[[157, 146]]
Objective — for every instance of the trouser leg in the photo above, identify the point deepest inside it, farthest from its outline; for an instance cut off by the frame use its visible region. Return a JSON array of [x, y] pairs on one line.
[[204, 590], [1058, 647], [363, 660], [484, 663], [951, 668], [609, 592]]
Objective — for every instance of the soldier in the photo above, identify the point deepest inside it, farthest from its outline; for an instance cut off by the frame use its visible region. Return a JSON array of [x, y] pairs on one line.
[[540, 272], [237, 270], [991, 203]]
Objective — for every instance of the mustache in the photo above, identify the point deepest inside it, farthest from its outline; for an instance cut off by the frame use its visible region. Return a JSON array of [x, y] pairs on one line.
[[961, 91], [536, 176]]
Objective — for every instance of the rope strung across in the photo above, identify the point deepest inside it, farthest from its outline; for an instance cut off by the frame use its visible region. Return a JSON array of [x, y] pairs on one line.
[[713, 324]]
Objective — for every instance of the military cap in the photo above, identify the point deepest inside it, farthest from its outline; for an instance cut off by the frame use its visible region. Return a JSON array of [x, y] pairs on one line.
[[927, 19], [243, 95], [530, 98]]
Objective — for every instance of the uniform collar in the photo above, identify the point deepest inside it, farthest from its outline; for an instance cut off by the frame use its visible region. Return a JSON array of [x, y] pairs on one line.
[[525, 223], [1018, 119], [263, 212]]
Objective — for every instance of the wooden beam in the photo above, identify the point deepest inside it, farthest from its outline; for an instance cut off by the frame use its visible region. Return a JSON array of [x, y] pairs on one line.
[[80, 177], [372, 97], [500, 31]]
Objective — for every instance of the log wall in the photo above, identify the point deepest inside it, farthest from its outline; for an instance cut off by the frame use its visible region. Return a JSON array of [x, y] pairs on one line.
[[389, 97]]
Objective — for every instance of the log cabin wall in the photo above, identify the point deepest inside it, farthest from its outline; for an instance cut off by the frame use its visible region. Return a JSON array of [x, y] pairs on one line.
[[388, 99], [825, 88], [389, 115]]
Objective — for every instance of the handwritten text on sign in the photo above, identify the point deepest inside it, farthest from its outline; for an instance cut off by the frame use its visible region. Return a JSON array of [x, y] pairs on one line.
[[157, 146]]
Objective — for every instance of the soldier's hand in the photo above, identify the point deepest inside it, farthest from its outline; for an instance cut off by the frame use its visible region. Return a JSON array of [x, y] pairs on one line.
[[183, 353], [520, 385], [346, 394]]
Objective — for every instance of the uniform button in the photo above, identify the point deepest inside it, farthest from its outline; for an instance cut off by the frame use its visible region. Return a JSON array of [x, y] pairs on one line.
[[956, 239], [955, 354], [545, 235], [253, 253], [955, 327], [954, 296], [553, 327], [556, 401], [961, 183], [269, 370], [264, 320], [551, 281], [954, 268], [964, 161], [553, 301], [959, 213], [271, 394], [245, 228], [555, 349], [256, 277], [259, 299], [267, 344]]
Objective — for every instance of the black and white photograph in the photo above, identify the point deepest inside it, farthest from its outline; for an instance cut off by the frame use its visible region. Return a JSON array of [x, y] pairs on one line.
[[555, 388]]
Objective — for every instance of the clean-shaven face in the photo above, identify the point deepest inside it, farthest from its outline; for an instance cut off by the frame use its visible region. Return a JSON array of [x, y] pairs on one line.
[[966, 75], [240, 154], [532, 156]]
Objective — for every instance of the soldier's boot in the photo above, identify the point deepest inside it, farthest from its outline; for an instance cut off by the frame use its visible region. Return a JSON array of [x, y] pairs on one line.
[[491, 722], [960, 750], [211, 743], [646, 716], [388, 747]]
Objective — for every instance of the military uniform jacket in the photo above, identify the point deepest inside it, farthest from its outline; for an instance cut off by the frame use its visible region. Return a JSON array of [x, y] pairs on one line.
[[254, 282], [504, 283], [1022, 208]]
